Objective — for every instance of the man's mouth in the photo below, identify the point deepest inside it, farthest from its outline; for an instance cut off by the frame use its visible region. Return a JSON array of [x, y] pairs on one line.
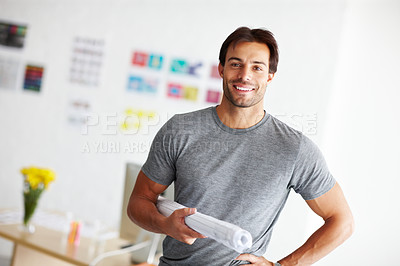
[[243, 88]]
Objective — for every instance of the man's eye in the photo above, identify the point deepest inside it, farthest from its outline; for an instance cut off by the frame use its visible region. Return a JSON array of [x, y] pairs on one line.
[[257, 68], [235, 65]]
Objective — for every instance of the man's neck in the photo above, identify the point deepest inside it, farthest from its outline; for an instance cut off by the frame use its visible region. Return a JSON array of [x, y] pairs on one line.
[[239, 117]]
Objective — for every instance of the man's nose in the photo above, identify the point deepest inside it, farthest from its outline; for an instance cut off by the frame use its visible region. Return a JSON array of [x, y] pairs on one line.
[[245, 73]]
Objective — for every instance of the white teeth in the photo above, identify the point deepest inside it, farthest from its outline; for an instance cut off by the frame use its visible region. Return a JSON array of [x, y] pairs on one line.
[[243, 89]]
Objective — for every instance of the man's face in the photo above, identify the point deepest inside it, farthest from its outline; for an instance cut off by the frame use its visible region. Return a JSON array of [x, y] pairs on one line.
[[246, 74]]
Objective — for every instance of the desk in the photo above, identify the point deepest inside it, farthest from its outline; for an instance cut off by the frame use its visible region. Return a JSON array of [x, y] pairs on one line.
[[50, 247]]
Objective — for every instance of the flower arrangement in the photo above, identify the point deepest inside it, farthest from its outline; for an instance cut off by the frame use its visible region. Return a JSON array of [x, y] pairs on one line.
[[36, 180]]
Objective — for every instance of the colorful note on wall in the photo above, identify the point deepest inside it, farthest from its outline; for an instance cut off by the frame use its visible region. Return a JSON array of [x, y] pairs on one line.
[[180, 91], [142, 84], [33, 78], [12, 35], [213, 96], [184, 66], [214, 73], [149, 60], [135, 119]]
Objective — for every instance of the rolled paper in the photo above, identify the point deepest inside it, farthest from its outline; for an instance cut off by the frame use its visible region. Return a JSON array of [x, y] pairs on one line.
[[226, 233]]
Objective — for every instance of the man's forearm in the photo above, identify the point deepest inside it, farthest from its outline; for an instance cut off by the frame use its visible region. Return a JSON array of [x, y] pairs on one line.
[[329, 236], [144, 213]]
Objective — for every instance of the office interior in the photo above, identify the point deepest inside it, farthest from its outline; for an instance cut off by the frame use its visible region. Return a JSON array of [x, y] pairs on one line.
[[113, 72]]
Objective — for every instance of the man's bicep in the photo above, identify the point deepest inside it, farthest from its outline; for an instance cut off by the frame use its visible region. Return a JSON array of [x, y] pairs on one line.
[[147, 188], [330, 204]]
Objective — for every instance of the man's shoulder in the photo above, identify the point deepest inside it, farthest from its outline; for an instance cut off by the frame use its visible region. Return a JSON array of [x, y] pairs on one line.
[[189, 121], [287, 134], [196, 114], [282, 129]]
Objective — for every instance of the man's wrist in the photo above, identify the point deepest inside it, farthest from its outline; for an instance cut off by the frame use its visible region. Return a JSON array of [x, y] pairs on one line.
[[277, 264]]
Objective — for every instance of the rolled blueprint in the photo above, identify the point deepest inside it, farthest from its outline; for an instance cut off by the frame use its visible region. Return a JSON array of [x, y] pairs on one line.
[[226, 233]]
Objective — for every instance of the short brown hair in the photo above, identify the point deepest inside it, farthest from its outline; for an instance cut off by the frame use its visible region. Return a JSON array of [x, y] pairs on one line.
[[245, 34]]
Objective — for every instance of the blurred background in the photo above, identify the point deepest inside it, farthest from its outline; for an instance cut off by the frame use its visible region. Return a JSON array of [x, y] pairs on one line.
[[85, 85]]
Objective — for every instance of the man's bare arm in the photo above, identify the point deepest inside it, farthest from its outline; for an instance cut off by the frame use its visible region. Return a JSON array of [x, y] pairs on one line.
[[338, 226], [142, 210]]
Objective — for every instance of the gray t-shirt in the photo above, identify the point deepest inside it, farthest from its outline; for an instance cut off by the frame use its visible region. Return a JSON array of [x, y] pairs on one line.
[[242, 176]]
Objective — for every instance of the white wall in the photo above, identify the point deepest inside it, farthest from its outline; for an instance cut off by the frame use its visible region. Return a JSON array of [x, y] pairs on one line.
[[361, 139], [329, 67]]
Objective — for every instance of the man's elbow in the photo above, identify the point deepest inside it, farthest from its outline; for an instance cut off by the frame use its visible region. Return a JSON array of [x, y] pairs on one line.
[[130, 211], [351, 226], [344, 226], [348, 227]]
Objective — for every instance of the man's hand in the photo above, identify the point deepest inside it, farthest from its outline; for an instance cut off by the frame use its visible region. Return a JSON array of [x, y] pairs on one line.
[[176, 227], [254, 260], [143, 211]]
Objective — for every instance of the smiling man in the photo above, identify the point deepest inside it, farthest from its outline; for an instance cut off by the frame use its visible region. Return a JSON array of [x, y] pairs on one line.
[[238, 163], [246, 70]]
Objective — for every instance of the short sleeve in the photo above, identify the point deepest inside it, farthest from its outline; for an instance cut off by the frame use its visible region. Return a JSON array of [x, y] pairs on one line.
[[311, 177], [160, 166]]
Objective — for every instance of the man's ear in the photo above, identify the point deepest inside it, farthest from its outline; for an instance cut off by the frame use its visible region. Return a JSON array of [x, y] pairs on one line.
[[221, 70], [270, 77]]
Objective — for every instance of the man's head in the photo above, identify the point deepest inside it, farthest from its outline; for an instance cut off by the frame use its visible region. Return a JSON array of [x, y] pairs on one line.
[[244, 34], [248, 62]]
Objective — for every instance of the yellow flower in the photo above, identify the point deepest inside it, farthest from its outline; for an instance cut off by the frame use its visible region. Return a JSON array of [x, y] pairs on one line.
[[37, 177], [33, 180]]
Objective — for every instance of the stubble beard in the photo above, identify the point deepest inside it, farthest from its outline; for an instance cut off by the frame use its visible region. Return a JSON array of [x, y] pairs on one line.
[[245, 103]]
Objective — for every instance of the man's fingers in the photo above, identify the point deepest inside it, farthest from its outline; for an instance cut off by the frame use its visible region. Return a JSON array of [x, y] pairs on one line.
[[249, 257], [185, 212], [194, 233], [183, 232], [254, 260]]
